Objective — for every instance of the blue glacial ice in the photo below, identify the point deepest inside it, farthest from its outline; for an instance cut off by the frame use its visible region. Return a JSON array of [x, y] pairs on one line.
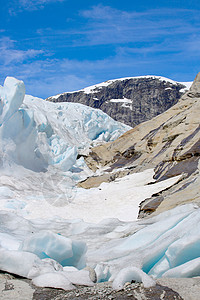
[[47, 244], [32, 251], [35, 133]]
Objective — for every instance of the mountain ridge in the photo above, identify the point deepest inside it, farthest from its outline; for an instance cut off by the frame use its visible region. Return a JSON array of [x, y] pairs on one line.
[[130, 100]]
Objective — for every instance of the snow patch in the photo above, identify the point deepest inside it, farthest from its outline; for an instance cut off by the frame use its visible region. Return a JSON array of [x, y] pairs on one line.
[[96, 87], [132, 273], [53, 280], [187, 86], [124, 100]]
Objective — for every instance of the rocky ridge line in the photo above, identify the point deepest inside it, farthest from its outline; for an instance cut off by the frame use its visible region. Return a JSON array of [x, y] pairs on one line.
[[129, 100]]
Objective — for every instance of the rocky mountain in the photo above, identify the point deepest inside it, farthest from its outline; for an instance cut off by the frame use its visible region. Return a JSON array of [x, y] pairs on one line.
[[169, 143], [129, 100]]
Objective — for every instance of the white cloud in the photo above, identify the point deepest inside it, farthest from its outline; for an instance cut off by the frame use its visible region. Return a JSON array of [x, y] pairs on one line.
[[160, 29], [108, 26], [46, 77], [8, 54], [30, 5]]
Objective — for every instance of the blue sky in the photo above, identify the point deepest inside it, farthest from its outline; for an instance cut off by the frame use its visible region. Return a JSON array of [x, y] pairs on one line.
[[62, 45]]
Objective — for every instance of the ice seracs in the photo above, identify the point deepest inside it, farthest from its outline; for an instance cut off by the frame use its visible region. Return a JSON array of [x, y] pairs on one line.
[[18, 133], [36, 134]]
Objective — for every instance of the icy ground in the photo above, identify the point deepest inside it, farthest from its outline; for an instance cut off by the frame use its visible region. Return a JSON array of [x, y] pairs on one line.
[[43, 250], [59, 235]]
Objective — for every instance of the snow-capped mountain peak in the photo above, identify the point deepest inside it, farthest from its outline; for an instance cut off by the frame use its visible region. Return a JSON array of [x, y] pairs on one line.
[[130, 100]]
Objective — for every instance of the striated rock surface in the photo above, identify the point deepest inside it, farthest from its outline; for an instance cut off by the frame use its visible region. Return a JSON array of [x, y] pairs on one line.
[[170, 143], [129, 100]]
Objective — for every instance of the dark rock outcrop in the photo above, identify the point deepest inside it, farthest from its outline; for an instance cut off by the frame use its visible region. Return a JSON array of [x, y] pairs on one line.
[[130, 100]]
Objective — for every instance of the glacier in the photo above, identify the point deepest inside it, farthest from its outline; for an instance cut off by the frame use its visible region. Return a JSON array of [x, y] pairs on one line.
[[61, 236], [35, 134]]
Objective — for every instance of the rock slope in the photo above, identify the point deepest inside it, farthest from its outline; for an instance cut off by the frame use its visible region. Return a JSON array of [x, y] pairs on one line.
[[170, 143], [129, 100]]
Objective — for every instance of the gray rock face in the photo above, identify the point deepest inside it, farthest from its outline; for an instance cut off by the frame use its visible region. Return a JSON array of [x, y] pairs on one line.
[[130, 100]]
